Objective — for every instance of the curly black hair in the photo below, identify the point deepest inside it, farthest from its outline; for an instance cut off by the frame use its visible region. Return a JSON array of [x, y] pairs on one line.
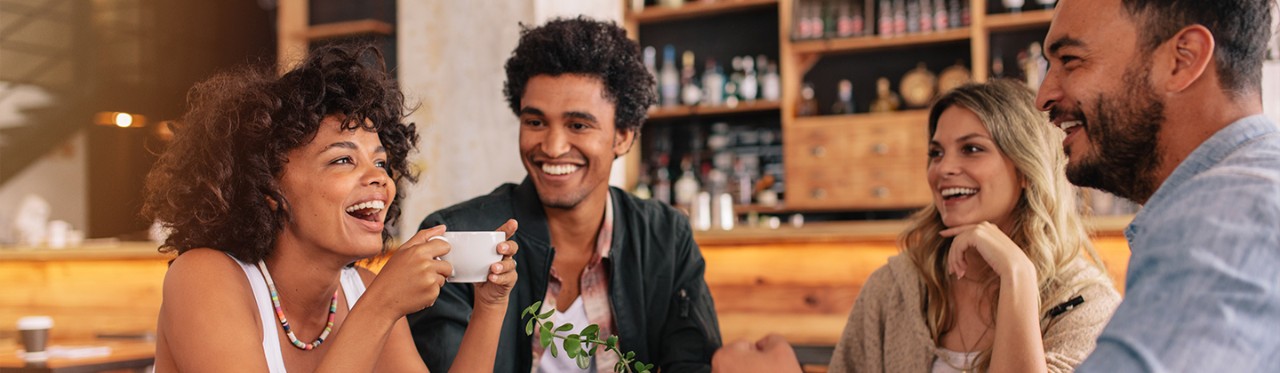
[[588, 47], [212, 185]]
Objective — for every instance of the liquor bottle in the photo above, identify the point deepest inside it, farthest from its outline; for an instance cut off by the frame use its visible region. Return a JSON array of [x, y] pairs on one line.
[[844, 21], [808, 104], [650, 65], [899, 17], [940, 19], [749, 86], [885, 19], [913, 16], [690, 93], [670, 78], [642, 189], [997, 64], [662, 187], [954, 18], [926, 15], [859, 21], [830, 22], [712, 84], [1014, 6], [886, 100], [686, 188], [845, 103], [1047, 4], [771, 84], [1036, 66], [817, 25]]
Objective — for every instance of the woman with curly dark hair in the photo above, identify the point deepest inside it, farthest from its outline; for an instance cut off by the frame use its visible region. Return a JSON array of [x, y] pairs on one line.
[[273, 187]]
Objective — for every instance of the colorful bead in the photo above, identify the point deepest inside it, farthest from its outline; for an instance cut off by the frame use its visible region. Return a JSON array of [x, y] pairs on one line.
[[284, 323]]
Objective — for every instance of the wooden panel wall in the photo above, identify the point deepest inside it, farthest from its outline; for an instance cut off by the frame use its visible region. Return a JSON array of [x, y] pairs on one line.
[[805, 291], [84, 297]]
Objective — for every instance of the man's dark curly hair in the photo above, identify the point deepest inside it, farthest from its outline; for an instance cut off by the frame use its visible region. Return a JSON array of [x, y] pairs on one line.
[[588, 47], [211, 186]]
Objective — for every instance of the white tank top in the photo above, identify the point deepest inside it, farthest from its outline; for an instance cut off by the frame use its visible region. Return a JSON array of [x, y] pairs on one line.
[[576, 314], [352, 286]]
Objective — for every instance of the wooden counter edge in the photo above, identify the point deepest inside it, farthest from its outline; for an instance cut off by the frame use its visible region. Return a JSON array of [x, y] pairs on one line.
[[866, 231]]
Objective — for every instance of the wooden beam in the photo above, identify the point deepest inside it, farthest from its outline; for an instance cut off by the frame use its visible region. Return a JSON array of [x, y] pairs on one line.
[[292, 20]]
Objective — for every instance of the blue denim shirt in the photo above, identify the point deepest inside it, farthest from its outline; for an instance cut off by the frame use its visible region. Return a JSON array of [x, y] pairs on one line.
[[1203, 284]]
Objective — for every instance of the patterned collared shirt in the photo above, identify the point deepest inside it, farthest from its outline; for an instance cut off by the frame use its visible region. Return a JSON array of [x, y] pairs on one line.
[[593, 288]]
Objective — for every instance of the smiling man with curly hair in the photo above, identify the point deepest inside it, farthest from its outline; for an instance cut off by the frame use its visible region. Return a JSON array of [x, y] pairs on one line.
[[592, 253]]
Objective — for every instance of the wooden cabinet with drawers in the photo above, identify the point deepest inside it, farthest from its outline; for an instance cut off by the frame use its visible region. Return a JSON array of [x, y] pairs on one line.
[[860, 162]]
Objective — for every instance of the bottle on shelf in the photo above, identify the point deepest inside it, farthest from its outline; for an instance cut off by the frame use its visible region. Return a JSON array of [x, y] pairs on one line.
[[671, 3], [651, 65], [844, 21], [712, 84], [1014, 6], [669, 78], [858, 20], [926, 15], [886, 100], [642, 189], [899, 17], [913, 16], [885, 20], [1047, 4], [844, 105], [662, 184], [808, 104], [940, 17], [1035, 66], [687, 187], [690, 93], [830, 20], [771, 84], [954, 17], [750, 86]]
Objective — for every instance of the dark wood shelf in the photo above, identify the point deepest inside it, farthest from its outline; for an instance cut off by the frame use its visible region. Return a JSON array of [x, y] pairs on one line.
[[1019, 21], [686, 111], [703, 8], [901, 115]]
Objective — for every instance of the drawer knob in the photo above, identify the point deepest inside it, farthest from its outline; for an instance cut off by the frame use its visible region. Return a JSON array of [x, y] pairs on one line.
[[818, 193], [880, 149], [880, 192], [818, 151]]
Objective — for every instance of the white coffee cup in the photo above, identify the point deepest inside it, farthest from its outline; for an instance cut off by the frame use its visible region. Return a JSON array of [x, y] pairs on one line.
[[472, 254], [35, 336]]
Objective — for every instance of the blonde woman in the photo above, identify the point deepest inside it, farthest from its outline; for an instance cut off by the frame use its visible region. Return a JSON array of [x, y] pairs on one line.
[[998, 274]]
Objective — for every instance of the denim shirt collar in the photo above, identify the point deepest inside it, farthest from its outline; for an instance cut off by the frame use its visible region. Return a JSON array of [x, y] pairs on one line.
[[1209, 153]]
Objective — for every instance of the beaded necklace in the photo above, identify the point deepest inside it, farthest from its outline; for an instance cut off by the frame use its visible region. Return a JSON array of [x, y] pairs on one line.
[[275, 300]]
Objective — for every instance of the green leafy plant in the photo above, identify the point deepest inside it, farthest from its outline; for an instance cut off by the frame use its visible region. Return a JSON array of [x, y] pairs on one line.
[[581, 346]]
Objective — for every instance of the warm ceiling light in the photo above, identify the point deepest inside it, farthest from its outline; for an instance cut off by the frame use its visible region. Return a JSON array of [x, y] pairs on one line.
[[123, 120], [120, 119]]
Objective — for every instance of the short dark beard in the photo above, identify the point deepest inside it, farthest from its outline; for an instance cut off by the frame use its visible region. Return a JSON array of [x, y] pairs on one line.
[[1124, 139]]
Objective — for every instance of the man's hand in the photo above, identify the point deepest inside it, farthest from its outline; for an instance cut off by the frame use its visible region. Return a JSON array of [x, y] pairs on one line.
[[502, 275], [770, 354]]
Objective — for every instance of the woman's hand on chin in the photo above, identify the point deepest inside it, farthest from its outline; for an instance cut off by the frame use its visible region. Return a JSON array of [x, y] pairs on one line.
[[502, 275], [993, 245]]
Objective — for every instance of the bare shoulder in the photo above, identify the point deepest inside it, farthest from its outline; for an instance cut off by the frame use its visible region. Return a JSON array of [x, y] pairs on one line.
[[203, 285]]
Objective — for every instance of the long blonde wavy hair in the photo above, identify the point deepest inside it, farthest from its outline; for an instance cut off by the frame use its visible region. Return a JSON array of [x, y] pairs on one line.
[[1047, 224]]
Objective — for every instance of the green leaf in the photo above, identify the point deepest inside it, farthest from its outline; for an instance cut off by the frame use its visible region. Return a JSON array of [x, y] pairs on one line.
[[640, 367], [572, 345], [584, 361], [531, 310], [545, 337], [620, 367], [648, 368], [564, 328], [546, 315], [611, 343], [631, 355], [553, 351], [528, 327], [591, 331]]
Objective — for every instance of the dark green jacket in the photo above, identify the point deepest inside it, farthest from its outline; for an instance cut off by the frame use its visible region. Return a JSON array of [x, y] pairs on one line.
[[662, 309]]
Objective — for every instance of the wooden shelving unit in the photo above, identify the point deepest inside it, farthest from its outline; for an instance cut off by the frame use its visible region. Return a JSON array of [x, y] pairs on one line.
[[704, 8], [896, 116], [685, 111]]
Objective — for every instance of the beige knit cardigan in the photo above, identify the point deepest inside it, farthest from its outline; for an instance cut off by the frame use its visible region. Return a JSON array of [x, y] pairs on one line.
[[886, 331]]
